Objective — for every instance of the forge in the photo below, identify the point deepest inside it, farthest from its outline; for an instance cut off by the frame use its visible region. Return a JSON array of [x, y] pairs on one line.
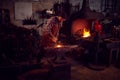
[[84, 19]]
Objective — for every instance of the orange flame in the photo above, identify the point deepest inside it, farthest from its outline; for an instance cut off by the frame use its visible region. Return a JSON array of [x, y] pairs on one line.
[[86, 33]]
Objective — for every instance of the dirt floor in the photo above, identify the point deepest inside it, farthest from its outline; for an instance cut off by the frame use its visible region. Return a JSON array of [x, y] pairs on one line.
[[81, 72]]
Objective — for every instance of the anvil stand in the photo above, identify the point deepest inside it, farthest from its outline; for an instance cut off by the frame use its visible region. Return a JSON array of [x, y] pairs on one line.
[[60, 56]]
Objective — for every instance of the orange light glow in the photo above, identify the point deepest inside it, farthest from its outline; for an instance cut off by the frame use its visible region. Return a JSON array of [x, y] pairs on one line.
[[86, 33], [58, 46]]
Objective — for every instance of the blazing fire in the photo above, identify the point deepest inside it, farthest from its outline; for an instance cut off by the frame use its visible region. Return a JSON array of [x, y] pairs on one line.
[[86, 33]]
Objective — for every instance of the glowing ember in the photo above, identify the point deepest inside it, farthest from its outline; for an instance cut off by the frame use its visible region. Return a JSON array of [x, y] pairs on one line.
[[58, 46], [86, 33]]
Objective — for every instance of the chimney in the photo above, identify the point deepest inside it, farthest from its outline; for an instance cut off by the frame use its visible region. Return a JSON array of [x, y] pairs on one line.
[[87, 13], [85, 6]]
